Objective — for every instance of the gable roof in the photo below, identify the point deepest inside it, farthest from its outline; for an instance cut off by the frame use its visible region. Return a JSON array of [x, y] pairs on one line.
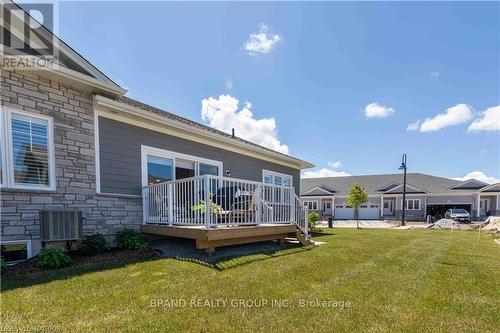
[[469, 184], [378, 184], [71, 66], [389, 186], [319, 191], [409, 189], [491, 188]]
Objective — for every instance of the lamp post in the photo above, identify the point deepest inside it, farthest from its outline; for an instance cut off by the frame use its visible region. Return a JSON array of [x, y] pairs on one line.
[[403, 167]]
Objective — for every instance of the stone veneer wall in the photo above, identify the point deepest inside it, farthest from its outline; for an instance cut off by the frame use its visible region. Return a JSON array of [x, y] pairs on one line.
[[73, 116]]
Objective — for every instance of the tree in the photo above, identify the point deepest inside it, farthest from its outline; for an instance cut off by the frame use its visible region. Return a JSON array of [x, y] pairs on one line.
[[357, 197], [313, 218]]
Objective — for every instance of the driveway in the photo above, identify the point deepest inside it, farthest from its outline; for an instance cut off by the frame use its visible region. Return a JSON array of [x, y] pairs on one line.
[[369, 224]]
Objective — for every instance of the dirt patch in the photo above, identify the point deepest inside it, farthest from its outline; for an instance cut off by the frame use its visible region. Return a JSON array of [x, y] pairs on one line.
[[31, 266]]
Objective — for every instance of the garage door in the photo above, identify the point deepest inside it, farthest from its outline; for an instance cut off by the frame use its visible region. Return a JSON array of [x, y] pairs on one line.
[[369, 213], [344, 213], [365, 213]]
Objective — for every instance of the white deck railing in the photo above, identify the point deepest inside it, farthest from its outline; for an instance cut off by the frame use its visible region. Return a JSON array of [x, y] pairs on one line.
[[212, 200]]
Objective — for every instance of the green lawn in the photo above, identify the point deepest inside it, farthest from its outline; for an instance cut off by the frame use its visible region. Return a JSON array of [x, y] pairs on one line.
[[394, 280]]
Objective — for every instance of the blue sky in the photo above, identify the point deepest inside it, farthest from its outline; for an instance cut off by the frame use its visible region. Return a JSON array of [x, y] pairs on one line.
[[318, 67]]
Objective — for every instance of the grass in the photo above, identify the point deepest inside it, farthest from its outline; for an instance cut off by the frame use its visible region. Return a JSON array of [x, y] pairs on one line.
[[394, 280]]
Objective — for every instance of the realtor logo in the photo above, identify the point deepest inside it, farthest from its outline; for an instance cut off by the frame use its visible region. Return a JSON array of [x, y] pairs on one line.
[[26, 39]]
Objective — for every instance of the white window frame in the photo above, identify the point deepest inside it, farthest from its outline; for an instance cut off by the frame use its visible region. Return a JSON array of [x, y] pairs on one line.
[[7, 151], [275, 173], [414, 200], [312, 203], [147, 150], [29, 252]]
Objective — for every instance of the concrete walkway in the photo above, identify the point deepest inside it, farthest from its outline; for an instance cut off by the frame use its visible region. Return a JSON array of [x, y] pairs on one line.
[[368, 224]]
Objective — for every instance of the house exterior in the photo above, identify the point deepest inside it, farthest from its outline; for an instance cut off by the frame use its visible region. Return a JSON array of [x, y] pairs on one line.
[[425, 195], [72, 141]]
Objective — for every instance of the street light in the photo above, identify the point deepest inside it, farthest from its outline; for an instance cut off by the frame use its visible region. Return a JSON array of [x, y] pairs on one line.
[[403, 167]]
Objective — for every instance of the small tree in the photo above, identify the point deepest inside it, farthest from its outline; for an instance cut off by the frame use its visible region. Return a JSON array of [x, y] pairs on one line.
[[357, 197], [313, 218]]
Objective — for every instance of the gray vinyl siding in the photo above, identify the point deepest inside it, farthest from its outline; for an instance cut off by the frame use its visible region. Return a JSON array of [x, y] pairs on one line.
[[411, 214], [120, 157]]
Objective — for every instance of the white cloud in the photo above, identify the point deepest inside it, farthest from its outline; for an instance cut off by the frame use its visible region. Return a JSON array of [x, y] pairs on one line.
[[223, 114], [435, 76], [479, 175], [324, 172], [331, 171], [458, 114], [374, 110], [229, 84], [334, 165], [261, 41], [489, 121], [413, 126]]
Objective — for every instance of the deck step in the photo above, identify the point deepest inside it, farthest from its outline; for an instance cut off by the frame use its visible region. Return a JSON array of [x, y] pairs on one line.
[[302, 238]]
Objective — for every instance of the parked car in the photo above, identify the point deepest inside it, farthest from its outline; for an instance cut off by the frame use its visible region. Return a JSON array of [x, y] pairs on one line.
[[458, 214]]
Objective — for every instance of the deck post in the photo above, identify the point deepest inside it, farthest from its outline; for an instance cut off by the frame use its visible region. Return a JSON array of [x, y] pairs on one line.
[[259, 204], [207, 204], [478, 205], [170, 203], [145, 201]]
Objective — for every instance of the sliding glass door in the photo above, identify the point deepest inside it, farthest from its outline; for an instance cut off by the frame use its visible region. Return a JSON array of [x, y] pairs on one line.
[[160, 165]]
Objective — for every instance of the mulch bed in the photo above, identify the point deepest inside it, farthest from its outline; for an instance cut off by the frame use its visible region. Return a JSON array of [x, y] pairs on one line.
[[31, 267]]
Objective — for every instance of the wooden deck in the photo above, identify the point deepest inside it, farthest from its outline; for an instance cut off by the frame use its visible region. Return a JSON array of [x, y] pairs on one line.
[[209, 239]]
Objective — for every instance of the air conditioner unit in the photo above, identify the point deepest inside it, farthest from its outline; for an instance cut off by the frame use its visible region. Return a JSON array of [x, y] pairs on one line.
[[60, 225]]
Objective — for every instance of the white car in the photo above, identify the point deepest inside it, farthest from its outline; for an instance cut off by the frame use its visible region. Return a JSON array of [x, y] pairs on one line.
[[458, 214]]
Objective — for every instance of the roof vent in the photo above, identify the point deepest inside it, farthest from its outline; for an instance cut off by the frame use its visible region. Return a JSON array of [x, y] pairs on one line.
[[232, 133]]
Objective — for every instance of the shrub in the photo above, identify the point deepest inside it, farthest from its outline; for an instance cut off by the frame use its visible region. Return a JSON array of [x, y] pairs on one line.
[[129, 239], [54, 258], [313, 218], [94, 244]]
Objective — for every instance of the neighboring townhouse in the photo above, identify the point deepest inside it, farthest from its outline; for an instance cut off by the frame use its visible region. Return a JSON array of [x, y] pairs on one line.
[[425, 195], [72, 142]]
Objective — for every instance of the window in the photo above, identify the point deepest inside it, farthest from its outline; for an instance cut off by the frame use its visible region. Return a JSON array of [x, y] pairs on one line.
[[26, 151], [160, 169], [14, 251], [386, 204], [311, 205], [412, 204], [271, 177], [328, 205], [159, 165], [279, 179]]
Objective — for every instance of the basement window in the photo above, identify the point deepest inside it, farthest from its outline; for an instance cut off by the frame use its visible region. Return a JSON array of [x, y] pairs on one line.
[[15, 251]]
